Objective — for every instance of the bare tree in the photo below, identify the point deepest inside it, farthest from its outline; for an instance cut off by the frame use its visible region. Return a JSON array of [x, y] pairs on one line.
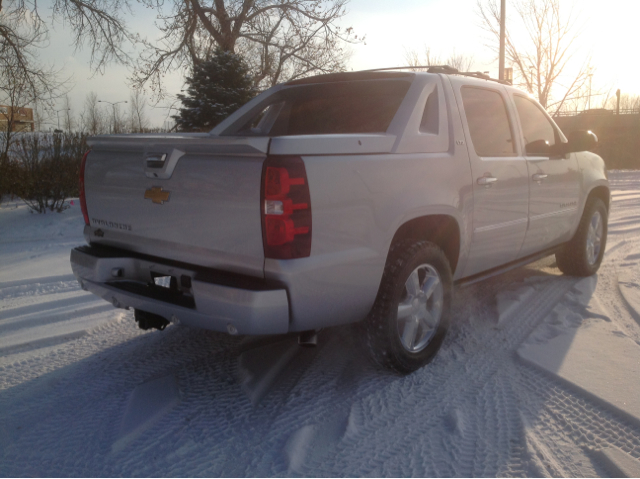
[[280, 39], [541, 44], [138, 121], [38, 116], [24, 27], [92, 118], [21, 35], [17, 91], [627, 102], [97, 24], [456, 60], [460, 61]]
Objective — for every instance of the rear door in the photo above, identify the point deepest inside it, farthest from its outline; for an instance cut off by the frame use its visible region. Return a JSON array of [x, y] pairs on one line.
[[500, 178], [554, 181]]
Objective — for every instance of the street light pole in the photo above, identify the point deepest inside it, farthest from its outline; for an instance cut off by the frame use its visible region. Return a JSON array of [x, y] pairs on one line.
[[58, 113], [113, 104]]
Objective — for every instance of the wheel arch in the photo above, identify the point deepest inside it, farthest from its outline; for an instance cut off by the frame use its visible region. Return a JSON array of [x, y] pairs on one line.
[[601, 192], [442, 230]]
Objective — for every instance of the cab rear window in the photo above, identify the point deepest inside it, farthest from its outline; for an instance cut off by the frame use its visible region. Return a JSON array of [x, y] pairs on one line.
[[327, 108]]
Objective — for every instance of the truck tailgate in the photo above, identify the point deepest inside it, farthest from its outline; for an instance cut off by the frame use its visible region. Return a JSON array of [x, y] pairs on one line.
[[189, 198]]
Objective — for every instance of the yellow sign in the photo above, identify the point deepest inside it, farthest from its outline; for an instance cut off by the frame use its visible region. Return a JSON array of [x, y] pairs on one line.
[[156, 195]]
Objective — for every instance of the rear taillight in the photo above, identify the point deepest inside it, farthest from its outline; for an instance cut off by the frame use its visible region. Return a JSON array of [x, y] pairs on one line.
[[286, 208], [83, 199]]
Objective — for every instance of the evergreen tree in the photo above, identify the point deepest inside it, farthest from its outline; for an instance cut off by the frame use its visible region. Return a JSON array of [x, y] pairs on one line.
[[217, 88]]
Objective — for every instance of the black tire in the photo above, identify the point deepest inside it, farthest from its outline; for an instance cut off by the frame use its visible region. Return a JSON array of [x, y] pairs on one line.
[[583, 254], [407, 345]]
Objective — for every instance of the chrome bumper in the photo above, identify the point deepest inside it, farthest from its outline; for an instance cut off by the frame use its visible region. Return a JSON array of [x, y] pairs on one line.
[[200, 301]]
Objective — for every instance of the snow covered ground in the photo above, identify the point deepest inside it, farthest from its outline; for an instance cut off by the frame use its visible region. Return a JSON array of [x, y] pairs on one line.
[[539, 376]]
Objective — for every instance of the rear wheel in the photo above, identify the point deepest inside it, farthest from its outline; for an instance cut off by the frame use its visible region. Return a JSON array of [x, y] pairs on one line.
[[583, 254], [410, 317]]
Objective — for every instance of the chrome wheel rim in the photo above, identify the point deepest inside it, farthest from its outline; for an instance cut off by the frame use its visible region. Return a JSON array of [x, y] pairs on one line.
[[594, 237], [420, 308]]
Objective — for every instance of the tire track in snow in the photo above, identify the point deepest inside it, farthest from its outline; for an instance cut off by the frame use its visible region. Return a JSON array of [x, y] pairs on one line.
[[73, 300], [127, 357], [45, 312], [348, 391], [447, 387], [567, 418], [36, 281], [20, 295], [564, 413]]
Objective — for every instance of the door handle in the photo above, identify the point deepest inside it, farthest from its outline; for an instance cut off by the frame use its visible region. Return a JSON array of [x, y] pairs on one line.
[[539, 177], [487, 181]]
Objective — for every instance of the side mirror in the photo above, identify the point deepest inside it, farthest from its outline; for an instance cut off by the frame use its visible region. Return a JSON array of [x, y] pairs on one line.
[[581, 140], [537, 148]]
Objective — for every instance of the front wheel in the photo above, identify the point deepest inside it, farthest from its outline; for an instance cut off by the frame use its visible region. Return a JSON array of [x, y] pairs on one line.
[[410, 316], [583, 254]]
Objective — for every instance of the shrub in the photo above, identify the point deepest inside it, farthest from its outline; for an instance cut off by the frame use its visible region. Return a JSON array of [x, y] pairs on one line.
[[7, 176], [46, 169]]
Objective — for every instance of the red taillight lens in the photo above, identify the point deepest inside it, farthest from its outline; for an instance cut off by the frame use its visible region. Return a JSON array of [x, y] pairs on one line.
[[83, 199], [286, 208], [278, 181]]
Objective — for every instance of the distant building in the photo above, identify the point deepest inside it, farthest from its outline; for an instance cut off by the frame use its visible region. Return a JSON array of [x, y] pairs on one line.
[[22, 118]]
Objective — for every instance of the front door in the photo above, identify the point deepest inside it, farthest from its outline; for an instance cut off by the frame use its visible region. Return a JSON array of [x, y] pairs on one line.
[[554, 181]]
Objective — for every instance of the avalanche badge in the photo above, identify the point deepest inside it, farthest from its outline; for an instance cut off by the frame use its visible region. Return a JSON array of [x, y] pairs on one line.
[[156, 195]]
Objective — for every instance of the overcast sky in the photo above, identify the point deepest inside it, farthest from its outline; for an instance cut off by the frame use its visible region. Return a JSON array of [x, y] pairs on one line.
[[392, 27]]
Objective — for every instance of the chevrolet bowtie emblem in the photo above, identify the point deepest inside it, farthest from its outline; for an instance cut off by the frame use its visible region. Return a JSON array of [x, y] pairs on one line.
[[156, 195]]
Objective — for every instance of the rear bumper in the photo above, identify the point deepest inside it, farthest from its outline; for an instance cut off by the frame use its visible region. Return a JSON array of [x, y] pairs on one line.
[[206, 299]]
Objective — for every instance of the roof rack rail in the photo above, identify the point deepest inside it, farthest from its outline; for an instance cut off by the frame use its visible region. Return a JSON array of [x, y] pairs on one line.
[[445, 69]]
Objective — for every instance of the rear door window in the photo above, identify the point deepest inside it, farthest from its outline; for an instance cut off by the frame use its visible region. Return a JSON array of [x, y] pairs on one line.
[[488, 122]]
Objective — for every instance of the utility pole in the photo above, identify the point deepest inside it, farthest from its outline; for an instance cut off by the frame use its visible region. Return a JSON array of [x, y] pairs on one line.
[[503, 8], [589, 104], [113, 104]]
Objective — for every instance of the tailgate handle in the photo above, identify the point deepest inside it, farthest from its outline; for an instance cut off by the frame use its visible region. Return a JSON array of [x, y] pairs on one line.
[[156, 161], [161, 165]]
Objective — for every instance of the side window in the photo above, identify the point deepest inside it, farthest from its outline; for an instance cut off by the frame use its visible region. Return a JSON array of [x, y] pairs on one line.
[[431, 117], [535, 125], [488, 122]]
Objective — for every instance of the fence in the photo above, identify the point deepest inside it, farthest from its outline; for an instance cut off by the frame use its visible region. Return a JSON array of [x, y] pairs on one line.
[[598, 111]]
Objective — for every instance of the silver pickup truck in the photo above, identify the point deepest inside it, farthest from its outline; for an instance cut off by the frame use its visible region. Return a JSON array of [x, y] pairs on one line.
[[336, 199]]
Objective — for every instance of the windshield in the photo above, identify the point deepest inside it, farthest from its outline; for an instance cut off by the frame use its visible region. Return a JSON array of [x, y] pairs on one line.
[[326, 108]]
